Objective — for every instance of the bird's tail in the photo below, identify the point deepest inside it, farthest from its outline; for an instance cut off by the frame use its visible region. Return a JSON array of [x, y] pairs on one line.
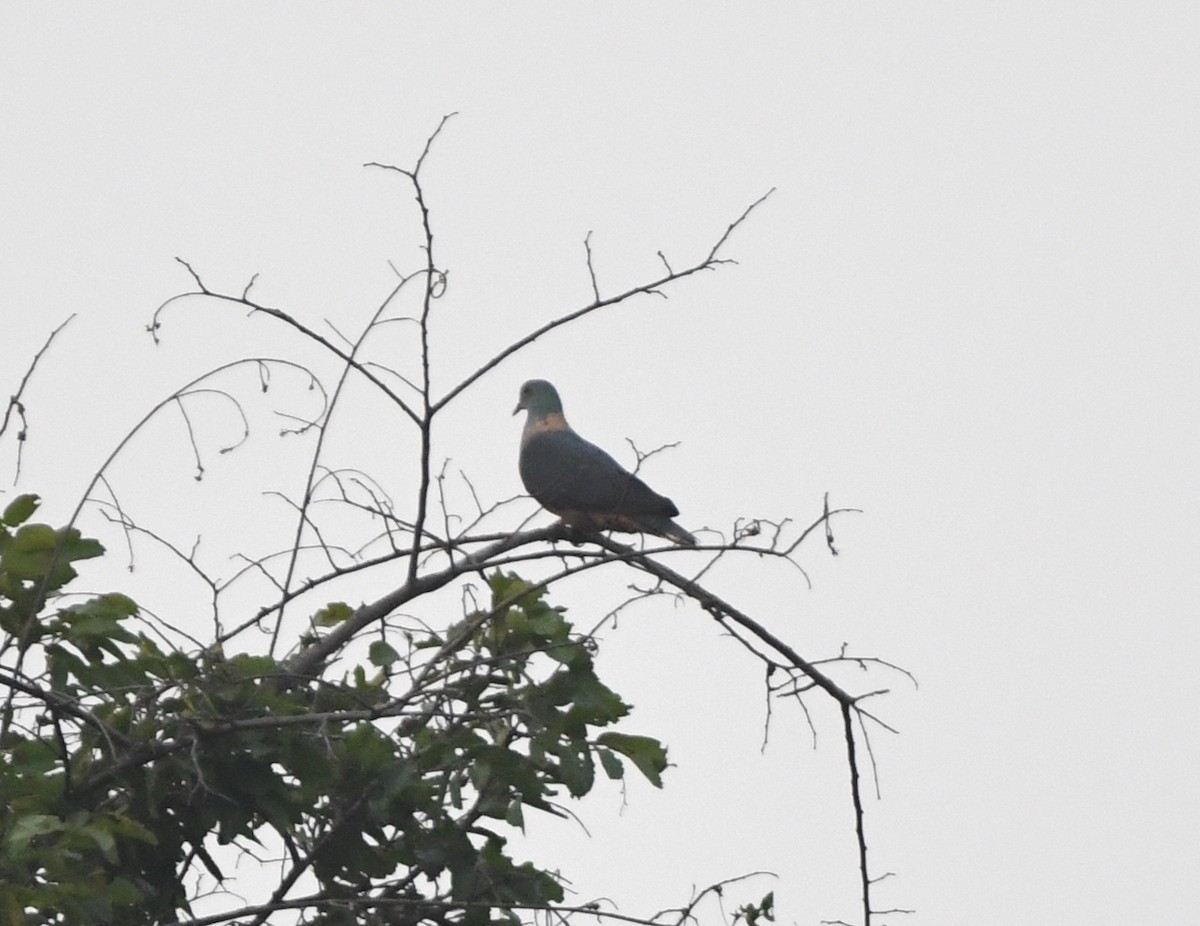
[[677, 534]]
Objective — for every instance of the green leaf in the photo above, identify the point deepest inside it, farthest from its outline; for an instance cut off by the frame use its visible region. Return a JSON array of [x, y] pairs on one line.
[[11, 908], [247, 666], [513, 589], [333, 614], [647, 753], [104, 839], [31, 551], [573, 655], [76, 547], [37, 551], [547, 621], [21, 833], [382, 654], [593, 701], [614, 768], [94, 628], [575, 768], [19, 510], [33, 757], [113, 604], [368, 750], [128, 828], [123, 893]]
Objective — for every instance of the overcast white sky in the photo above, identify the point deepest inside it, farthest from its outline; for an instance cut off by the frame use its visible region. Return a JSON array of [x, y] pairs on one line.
[[969, 309]]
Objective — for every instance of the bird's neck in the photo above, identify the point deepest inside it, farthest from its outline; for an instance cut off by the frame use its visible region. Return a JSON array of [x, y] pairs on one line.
[[551, 421]]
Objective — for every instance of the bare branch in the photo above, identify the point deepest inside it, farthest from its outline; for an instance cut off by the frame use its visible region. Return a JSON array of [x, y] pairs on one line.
[[14, 401], [654, 287]]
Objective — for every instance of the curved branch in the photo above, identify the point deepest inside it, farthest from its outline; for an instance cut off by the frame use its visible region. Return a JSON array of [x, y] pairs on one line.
[[292, 322], [671, 276]]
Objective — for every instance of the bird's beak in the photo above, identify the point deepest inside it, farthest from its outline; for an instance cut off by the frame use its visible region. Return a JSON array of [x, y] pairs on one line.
[[518, 408]]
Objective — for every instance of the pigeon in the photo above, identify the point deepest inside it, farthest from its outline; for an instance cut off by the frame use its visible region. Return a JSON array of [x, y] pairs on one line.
[[579, 482]]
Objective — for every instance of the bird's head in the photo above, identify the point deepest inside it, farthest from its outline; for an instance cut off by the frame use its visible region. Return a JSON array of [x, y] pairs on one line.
[[539, 398]]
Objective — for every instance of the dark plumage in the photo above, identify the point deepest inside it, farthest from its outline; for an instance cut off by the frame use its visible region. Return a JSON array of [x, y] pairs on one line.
[[579, 482]]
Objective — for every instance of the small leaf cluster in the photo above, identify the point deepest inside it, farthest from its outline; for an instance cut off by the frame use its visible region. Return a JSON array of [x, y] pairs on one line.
[[755, 913], [131, 769], [36, 563]]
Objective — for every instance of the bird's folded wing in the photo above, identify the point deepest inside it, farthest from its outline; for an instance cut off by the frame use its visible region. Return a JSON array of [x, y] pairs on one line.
[[564, 472]]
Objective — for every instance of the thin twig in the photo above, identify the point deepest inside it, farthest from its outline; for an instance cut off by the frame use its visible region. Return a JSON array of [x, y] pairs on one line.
[[14, 401]]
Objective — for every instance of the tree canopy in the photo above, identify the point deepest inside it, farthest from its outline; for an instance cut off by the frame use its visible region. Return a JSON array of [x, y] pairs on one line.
[[381, 762]]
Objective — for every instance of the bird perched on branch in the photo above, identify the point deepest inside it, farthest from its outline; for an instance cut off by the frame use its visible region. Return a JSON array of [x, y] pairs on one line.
[[579, 482]]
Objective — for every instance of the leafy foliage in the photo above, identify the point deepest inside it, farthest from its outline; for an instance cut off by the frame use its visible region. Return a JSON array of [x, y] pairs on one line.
[[398, 777]]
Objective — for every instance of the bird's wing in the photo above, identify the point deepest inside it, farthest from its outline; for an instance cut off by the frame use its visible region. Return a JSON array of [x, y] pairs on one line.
[[564, 472]]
